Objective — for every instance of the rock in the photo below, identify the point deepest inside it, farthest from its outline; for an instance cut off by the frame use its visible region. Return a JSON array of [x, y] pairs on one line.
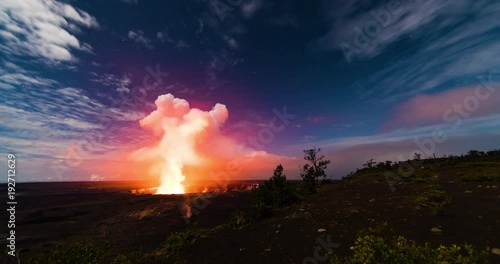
[[321, 230], [467, 191], [267, 250], [371, 200], [241, 249], [494, 186], [436, 230], [495, 251]]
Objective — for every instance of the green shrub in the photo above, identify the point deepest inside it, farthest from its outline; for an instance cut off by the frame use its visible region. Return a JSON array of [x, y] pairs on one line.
[[239, 220], [272, 194], [480, 177], [380, 245], [177, 241], [436, 199], [75, 253], [135, 257]]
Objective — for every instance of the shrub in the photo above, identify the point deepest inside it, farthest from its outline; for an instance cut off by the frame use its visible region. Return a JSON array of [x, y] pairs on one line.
[[436, 199], [239, 220], [480, 177], [380, 245], [134, 257], [272, 194], [75, 253]]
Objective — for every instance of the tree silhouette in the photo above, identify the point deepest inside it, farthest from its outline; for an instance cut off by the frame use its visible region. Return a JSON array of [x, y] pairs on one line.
[[314, 169], [369, 163]]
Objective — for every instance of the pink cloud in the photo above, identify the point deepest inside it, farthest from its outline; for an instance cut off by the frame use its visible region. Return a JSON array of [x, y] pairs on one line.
[[431, 108]]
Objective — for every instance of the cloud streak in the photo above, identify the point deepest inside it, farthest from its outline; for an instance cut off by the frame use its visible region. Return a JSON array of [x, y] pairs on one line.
[[43, 28]]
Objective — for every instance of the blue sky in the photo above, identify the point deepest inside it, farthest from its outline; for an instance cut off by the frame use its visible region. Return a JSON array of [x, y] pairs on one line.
[[362, 78]]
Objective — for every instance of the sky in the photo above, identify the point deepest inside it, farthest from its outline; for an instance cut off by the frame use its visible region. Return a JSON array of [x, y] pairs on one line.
[[360, 79]]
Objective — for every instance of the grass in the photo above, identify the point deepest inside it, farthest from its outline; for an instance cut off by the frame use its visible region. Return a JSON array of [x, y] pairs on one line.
[[239, 220], [479, 170], [373, 245], [379, 245], [436, 199], [177, 241], [76, 253], [480, 177]]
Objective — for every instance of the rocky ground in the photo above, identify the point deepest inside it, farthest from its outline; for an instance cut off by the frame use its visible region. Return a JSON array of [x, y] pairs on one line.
[[299, 233]]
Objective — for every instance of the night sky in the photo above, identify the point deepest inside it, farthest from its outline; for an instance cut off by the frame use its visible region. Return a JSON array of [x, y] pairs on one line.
[[362, 79]]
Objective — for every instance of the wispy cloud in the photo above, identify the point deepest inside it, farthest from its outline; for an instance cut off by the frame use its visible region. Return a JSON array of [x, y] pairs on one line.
[[138, 37], [132, 2], [121, 83], [43, 29], [452, 43], [249, 8]]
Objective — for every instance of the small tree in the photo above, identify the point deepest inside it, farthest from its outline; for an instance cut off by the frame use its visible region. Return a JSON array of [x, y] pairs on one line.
[[369, 163], [314, 169], [473, 153], [272, 194], [417, 156]]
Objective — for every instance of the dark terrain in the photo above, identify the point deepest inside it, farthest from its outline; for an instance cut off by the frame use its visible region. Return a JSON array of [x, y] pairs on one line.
[[143, 223]]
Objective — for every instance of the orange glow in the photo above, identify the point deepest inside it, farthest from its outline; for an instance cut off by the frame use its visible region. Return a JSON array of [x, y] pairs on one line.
[[180, 129], [191, 155]]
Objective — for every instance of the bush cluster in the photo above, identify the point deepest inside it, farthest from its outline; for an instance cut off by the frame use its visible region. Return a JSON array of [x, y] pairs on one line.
[[272, 194], [379, 245]]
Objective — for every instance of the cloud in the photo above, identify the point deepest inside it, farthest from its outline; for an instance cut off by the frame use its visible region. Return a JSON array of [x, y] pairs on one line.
[[131, 2], [138, 37], [433, 108], [231, 42], [385, 23], [21, 78], [45, 117], [452, 46], [251, 7], [160, 36], [121, 83], [350, 152], [182, 45], [178, 88], [218, 63], [43, 29]]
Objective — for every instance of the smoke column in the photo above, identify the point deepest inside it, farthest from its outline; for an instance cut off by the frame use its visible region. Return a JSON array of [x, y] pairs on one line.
[[181, 129]]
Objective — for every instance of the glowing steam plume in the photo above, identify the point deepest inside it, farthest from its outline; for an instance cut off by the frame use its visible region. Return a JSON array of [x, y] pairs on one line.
[[180, 128]]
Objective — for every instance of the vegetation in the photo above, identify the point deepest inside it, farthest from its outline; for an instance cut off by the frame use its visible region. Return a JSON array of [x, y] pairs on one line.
[[239, 220], [312, 171], [177, 241], [80, 252], [372, 245], [272, 194], [436, 199], [369, 163], [379, 245]]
